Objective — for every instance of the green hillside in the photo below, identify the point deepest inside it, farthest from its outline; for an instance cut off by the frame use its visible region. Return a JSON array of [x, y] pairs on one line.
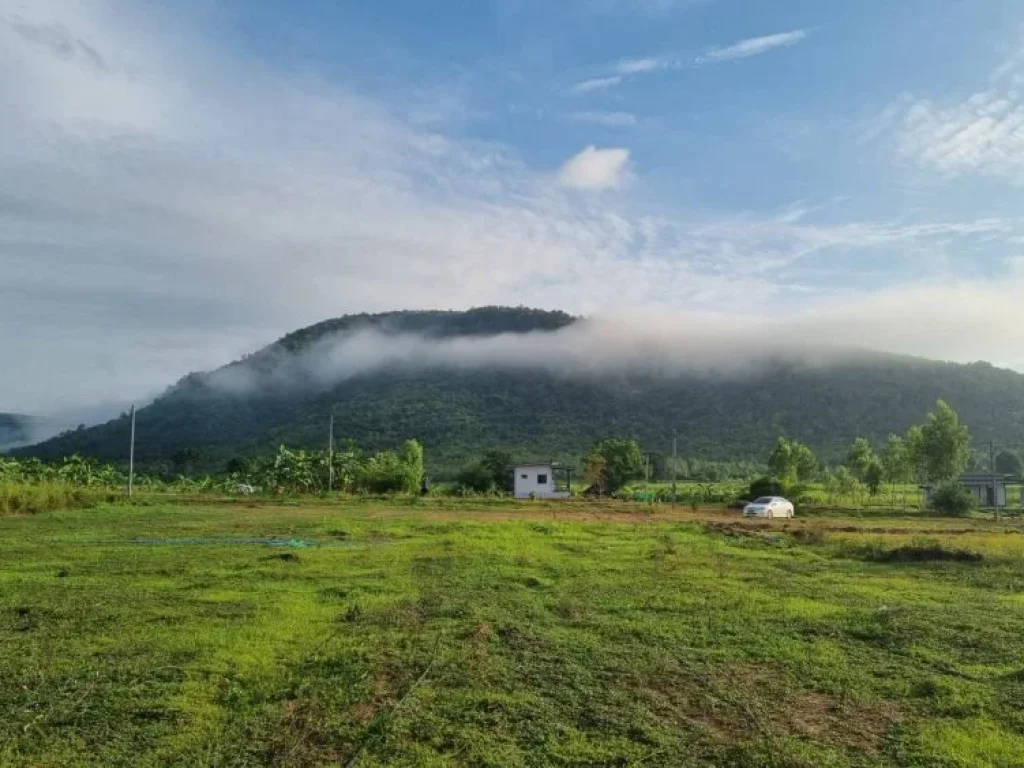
[[459, 413]]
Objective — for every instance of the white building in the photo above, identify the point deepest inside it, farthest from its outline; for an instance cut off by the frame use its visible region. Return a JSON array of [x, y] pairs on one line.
[[540, 480]]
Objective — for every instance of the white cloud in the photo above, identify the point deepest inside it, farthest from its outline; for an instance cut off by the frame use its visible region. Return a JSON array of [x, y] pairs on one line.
[[981, 133], [629, 68], [607, 119], [638, 66], [753, 46], [595, 84], [595, 169]]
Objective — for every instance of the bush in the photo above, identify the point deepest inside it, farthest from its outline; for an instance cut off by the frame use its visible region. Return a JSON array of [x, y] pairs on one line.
[[951, 498], [476, 478], [766, 486], [387, 473]]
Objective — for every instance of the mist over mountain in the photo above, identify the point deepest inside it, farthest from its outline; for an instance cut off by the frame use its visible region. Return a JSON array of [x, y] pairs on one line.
[[546, 384], [15, 429]]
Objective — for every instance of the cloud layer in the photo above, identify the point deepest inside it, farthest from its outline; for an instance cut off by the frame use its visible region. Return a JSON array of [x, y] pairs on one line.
[[936, 321]]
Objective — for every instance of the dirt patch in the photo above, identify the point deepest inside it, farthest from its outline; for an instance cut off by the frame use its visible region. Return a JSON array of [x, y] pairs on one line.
[[741, 702], [822, 717], [617, 512], [286, 557]]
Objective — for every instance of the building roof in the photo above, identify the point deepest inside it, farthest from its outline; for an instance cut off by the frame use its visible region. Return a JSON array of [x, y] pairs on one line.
[[984, 477], [525, 464]]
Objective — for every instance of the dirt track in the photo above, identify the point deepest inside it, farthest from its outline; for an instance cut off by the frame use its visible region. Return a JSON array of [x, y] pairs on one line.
[[717, 518]]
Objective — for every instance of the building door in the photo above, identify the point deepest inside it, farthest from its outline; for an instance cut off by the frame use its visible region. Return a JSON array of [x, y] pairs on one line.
[[990, 495]]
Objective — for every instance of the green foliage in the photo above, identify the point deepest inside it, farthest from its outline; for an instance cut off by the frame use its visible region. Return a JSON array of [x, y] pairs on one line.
[[766, 486], [842, 485], [942, 446], [476, 478], [873, 476], [953, 499], [492, 474], [391, 472], [791, 461], [1009, 463], [620, 462], [860, 457], [384, 472], [46, 496], [896, 461]]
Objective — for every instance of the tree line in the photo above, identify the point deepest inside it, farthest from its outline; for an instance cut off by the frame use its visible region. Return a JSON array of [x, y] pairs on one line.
[[935, 453], [286, 471]]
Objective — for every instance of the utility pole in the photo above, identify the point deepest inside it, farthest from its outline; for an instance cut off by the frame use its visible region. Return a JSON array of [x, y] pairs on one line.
[[992, 469], [131, 457], [330, 455], [675, 457], [647, 471]]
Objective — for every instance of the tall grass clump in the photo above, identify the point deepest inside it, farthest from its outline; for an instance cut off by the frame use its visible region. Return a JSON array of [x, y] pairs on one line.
[[18, 498]]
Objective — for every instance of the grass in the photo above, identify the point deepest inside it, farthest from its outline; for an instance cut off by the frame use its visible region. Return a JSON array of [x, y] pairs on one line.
[[32, 498], [477, 633]]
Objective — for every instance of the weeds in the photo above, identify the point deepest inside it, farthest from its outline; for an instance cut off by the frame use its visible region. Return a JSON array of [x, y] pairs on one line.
[[919, 551], [30, 499], [475, 638]]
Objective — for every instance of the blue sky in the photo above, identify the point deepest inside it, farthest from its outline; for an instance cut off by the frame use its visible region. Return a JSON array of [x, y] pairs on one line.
[[184, 183]]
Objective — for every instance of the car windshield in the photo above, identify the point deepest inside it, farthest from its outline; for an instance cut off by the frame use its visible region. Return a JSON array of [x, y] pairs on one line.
[[763, 500]]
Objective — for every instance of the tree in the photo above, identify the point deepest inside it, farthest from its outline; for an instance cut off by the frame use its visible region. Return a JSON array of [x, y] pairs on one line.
[[860, 456], [1009, 463], [476, 478], [941, 447], [593, 470], [895, 461], [622, 462], [499, 465], [792, 461], [873, 476], [412, 458], [842, 483], [491, 473]]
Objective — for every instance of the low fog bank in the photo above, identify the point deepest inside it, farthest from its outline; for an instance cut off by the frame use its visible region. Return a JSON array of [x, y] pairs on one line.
[[23, 430], [952, 325]]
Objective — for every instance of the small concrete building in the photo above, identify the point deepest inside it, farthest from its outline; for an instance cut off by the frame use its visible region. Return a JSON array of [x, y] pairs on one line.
[[541, 480], [988, 490]]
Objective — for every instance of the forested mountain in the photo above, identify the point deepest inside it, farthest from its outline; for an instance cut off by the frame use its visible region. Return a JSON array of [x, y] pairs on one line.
[[459, 412]]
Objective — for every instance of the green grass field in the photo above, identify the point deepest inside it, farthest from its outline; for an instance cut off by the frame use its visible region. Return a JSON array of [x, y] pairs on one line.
[[497, 634]]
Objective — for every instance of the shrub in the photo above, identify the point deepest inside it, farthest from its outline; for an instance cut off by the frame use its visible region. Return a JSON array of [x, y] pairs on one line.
[[491, 475], [387, 473], [476, 478], [951, 498]]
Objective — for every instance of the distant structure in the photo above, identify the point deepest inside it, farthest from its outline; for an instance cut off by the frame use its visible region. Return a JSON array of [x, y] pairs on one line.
[[541, 480], [988, 490]]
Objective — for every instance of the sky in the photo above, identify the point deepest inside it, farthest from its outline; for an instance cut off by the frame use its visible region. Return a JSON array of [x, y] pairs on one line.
[[182, 183]]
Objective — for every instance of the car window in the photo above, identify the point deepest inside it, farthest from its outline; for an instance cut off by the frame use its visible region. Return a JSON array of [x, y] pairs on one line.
[[763, 500]]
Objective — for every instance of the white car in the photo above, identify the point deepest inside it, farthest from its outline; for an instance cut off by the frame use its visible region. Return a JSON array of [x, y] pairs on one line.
[[768, 506]]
